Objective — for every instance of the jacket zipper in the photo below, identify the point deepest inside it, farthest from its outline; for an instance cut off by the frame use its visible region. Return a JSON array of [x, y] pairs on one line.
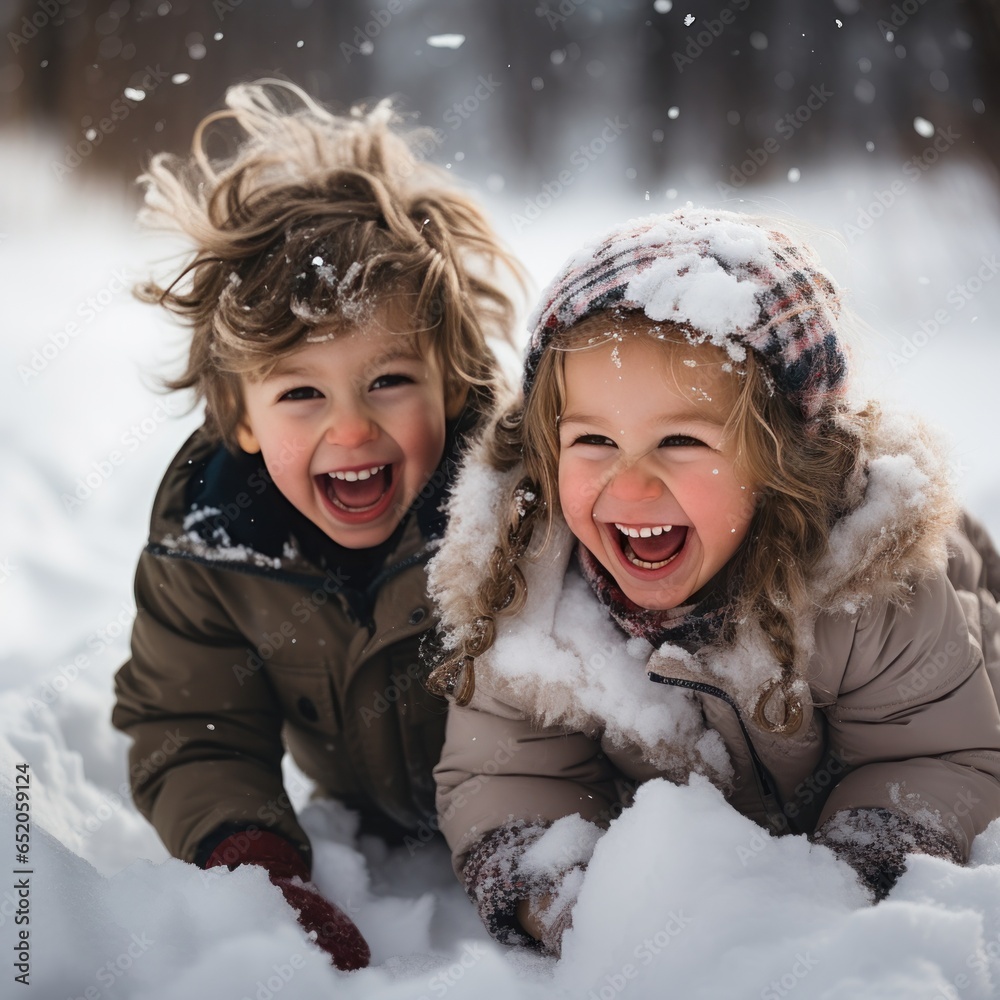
[[766, 786]]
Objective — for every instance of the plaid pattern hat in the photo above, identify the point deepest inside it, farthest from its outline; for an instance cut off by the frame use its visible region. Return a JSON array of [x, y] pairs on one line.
[[724, 279]]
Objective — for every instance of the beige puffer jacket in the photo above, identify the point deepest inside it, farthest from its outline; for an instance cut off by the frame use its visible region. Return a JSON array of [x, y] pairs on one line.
[[902, 665]]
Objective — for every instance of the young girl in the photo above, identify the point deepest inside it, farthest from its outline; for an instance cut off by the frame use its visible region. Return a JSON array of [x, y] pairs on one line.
[[340, 296], [686, 550]]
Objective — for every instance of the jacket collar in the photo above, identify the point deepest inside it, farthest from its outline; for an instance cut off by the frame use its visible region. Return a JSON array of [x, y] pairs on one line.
[[220, 507]]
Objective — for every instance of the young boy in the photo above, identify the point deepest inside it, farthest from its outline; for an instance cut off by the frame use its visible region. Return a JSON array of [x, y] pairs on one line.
[[339, 300]]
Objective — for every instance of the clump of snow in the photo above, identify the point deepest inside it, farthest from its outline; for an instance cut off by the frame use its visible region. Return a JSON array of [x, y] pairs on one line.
[[707, 270], [899, 487], [218, 546], [523, 499], [349, 303], [704, 881], [305, 312], [569, 841], [446, 41], [326, 273], [565, 664]]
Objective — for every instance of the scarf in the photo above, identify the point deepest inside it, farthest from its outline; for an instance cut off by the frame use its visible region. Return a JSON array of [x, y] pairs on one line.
[[691, 626]]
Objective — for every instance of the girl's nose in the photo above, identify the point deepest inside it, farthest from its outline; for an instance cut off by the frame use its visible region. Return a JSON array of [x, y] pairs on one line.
[[632, 482]]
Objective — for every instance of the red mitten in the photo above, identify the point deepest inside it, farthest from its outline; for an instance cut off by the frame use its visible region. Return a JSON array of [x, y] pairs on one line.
[[335, 931]]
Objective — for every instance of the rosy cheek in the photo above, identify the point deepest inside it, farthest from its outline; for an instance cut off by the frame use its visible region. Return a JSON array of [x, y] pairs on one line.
[[573, 496], [286, 454]]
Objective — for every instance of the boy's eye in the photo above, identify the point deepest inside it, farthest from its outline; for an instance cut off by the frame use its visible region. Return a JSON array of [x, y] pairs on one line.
[[301, 392], [681, 441], [390, 381], [597, 439]]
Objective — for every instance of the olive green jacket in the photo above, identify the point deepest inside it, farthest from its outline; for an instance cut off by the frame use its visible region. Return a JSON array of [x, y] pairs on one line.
[[244, 646]]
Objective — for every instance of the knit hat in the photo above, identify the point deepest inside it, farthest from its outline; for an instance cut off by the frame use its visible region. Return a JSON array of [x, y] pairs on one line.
[[724, 279]]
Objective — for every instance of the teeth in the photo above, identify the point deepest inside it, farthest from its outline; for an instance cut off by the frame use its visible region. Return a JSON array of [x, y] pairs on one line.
[[353, 477], [643, 532], [643, 564]]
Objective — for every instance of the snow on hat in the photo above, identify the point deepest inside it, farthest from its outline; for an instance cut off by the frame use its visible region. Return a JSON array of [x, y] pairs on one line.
[[722, 277]]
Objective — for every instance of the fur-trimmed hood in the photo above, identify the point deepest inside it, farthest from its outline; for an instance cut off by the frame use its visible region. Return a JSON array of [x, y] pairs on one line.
[[562, 661]]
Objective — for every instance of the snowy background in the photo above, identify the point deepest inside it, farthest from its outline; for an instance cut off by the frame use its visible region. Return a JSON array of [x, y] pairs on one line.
[[684, 897]]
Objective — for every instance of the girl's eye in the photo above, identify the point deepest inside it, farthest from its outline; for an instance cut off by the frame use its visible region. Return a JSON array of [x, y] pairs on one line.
[[301, 392], [597, 439], [681, 441], [390, 381]]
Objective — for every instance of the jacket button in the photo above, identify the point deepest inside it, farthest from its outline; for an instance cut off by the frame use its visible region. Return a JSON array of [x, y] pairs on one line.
[[417, 615], [307, 709]]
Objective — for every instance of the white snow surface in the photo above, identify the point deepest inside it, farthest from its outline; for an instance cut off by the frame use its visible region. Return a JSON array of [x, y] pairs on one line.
[[683, 896]]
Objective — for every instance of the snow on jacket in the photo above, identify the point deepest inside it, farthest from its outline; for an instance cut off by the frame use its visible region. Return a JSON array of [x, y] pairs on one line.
[[244, 645], [902, 635]]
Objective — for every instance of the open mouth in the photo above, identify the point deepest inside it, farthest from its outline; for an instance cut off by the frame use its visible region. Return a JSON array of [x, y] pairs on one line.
[[357, 492], [650, 547]]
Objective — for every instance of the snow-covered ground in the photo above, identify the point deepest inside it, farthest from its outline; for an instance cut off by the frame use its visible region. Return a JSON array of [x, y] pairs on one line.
[[684, 897]]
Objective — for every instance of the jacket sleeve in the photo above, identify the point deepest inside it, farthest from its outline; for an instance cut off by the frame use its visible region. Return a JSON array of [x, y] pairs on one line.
[[206, 727], [502, 783], [497, 767], [916, 719]]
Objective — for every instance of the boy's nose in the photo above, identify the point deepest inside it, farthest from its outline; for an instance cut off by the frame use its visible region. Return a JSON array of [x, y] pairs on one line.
[[351, 429]]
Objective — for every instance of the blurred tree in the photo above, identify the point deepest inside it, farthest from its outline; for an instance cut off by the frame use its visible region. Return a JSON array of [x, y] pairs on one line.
[[698, 90]]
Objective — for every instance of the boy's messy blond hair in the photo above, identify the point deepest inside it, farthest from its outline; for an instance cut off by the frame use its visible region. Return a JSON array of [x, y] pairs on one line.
[[315, 220]]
